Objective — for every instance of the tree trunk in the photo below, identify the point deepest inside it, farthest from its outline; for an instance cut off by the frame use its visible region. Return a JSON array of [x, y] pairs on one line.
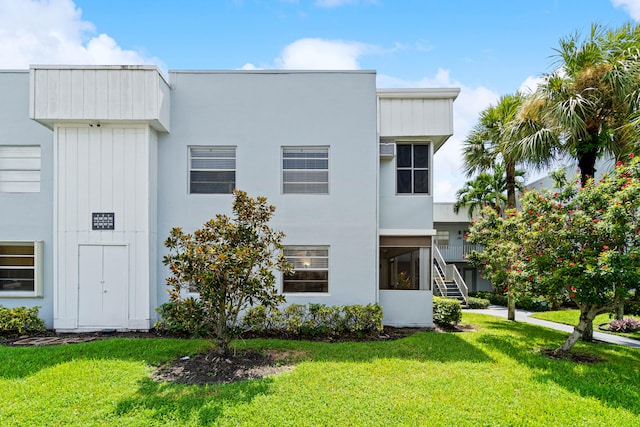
[[511, 185], [511, 305], [587, 314], [587, 164], [619, 312], [587, 335]]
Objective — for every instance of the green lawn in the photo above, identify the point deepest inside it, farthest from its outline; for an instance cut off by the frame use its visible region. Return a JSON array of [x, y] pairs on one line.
[[571, 317], [492, 377]]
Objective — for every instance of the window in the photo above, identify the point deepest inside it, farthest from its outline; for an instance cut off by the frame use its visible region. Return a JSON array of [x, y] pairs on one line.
[[20, 269], [212, 170], [399, 268], [311, 264], [305, 170], [412, 167], [442, 237], [19, 168]]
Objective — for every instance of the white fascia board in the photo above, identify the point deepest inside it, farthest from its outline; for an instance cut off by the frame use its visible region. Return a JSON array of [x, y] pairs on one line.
[[422, 93], [407, 232]]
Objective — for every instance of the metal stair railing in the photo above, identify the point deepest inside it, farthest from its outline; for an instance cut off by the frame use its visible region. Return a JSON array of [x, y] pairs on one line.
[[450, 273]]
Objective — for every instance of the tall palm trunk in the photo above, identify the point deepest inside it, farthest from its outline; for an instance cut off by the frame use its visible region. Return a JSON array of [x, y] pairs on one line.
[[587, 160], [511, 204]]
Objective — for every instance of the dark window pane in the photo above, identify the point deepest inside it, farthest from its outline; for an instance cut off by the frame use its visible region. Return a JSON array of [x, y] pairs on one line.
[[404, 181], [403, 156], [212, 182], [420, 156], [421, 181]]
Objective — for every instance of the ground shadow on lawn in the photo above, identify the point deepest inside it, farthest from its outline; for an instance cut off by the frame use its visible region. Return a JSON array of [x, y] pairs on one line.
[[183, 404], [610, 380]]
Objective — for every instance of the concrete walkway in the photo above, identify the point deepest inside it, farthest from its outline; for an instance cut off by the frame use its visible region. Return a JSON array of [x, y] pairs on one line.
[[524, 316]]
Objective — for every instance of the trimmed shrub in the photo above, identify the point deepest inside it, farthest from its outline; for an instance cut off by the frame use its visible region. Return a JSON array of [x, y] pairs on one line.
[[446, 311], [298, 320], [187, 317], [531, 303], [473, 302], [495, 299], [20, 321]]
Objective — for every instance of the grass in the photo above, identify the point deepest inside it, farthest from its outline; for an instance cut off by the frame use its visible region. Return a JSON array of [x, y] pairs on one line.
[[571, 317], [495, 376]]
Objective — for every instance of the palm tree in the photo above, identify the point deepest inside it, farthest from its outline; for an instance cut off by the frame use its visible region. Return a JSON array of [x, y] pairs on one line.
[[490, 140], [588, 106], [486, 189]]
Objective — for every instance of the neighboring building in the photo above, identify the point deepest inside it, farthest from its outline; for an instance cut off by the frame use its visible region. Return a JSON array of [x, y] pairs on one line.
[[97, 164], [451, 228]]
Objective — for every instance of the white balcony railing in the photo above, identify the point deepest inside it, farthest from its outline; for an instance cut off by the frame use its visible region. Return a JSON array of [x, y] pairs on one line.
[[457, 253]]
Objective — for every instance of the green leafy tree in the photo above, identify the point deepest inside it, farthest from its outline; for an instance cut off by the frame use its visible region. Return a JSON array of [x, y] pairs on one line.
[[582, 242], [229, 262], [588, 106]]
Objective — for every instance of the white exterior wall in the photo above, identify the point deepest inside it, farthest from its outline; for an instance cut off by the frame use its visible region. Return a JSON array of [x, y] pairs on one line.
[[27, 216], [258, 113], [106, 169]]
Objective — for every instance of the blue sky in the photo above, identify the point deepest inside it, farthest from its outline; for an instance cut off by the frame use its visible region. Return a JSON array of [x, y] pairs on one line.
[[487, 48]]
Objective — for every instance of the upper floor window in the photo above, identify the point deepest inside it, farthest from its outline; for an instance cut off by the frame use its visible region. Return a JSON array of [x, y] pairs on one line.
[[20, 269], [19, 168], [212, 170], [305, 170], [412, 168], [311, 269]]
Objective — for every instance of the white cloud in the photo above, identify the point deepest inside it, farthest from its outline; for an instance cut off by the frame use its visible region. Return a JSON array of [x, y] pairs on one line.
[[530, 84], [53, 32], [320, 54], [632, 7], [448, 173]]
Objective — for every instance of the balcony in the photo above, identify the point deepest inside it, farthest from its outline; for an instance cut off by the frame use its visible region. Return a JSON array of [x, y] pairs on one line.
[[457, 253]]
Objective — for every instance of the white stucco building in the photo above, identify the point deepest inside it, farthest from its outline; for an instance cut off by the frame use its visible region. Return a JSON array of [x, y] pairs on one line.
[[98, 163]]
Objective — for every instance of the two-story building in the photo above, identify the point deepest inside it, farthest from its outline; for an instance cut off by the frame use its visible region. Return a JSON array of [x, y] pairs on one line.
[[98, 163]]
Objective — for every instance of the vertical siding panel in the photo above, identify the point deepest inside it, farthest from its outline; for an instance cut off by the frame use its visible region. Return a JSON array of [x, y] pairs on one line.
[[138, 91], [102, 94], [77, 94], [89, 87], [126, 95], [151, 98], [82, 177], [417, 124], [129, 177], [61, 178], [64, 102], [115, 93], [106, 175], [142, 180], [119, 183], [71, 180], [53, 90], [95, 177], [41, 93]]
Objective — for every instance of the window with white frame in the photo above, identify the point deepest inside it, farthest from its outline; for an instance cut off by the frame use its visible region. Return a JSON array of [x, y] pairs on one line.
[[212, 170], [412, 168], [19, 168], [305, 170], [20, 269], [442, 237], [311, 269]]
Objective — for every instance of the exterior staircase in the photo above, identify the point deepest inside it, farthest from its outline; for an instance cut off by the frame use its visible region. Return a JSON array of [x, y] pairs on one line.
[[447, 280]]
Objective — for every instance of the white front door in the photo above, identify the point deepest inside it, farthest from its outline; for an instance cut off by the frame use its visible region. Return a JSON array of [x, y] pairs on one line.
[[102, 288]]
